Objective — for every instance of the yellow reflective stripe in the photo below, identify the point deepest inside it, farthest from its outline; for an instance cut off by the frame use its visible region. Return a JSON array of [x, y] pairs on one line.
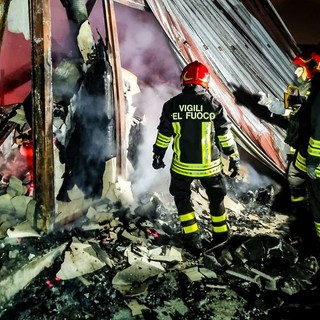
[[314, 147], [297, 199], [191, 229], [226, 140], [197, 166], [317, 225], [314, 142], [163, 137], [221, 229], [177, 130], [197, 170], [301, 162], [162, 141], [221, 218], [187, 216], [206, 142]]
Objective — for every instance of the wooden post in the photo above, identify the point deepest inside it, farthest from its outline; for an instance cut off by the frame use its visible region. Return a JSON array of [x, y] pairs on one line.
[[40, 26], [120, 108]]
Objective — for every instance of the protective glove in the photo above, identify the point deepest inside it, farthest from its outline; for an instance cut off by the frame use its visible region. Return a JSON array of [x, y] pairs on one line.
[[158, 162], [234, 165], [311, 171], [265, 99], [273, 104]]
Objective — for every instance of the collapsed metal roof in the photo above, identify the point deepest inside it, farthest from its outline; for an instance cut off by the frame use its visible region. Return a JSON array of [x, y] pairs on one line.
[[243, 59]]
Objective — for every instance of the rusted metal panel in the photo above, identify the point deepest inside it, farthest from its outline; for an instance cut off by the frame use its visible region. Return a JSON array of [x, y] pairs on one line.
[[120, 108], [40, 26]]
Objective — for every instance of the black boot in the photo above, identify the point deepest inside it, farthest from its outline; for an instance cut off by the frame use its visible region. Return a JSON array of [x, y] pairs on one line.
[[192, 243], [219, 239]]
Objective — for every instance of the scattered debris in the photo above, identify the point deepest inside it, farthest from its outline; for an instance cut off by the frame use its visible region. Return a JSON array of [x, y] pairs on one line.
[[127, 255]]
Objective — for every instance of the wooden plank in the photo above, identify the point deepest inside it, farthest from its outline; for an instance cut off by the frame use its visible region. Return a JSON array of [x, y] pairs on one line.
[[40, 26], [120, 109]]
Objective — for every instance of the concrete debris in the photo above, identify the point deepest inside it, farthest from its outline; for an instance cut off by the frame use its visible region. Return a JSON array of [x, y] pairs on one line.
[[143, 257], [193, 274], [22, 230], [79, 260], [135, 307], [137, 273], [15, 206], [244, 274], [136, 252], [22, 276], [15, 187], [166, 254], [263, 248]]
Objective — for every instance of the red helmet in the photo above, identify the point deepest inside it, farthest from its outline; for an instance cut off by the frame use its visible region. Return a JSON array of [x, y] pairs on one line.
[[195, 73], [305, 62]]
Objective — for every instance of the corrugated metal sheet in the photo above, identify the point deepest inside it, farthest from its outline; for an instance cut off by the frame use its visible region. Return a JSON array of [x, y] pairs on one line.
[[243, 58]]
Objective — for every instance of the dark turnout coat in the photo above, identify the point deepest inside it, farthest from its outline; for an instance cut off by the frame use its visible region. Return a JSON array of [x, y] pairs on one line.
[[200, 130], [308, 149]]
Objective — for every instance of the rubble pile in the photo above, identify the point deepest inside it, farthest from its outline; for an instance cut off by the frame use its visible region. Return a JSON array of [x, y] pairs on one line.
[[119, 262], [15, 206]]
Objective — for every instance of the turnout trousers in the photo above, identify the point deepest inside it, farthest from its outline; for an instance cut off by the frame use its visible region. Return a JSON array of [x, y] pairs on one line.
[[180, 189], [314, 202]]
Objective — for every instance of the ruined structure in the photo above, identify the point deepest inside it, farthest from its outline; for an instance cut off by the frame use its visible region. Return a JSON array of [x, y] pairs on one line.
[[83, 222]]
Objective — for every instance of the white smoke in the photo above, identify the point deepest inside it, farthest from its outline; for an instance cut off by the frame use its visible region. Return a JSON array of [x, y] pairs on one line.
[[150, 102]]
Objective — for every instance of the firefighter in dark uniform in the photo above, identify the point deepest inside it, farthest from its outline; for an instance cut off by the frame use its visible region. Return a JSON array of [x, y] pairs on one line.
[[200, 130], [289, 108], [307, 156]]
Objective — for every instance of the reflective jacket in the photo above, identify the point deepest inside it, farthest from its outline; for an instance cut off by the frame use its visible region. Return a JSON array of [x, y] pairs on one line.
[[200, 129], [308, 150]]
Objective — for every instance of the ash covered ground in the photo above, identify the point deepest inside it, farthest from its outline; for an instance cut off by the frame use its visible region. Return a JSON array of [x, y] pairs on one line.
[[118, 263]]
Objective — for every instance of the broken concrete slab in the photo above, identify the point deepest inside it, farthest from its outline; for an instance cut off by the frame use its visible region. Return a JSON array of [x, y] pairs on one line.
[[20, 204], [137, 273], [20, 278], [166, 254], [16, 187], [79, 260], [6, 204], [22, 230]]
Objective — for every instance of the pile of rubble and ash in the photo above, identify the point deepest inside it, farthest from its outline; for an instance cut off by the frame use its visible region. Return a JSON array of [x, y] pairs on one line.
[[121, 262]]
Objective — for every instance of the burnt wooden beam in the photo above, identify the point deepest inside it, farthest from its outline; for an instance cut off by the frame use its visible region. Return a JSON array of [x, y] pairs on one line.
[[6, 126], [4, 8], [40, 26], [120, 108]]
